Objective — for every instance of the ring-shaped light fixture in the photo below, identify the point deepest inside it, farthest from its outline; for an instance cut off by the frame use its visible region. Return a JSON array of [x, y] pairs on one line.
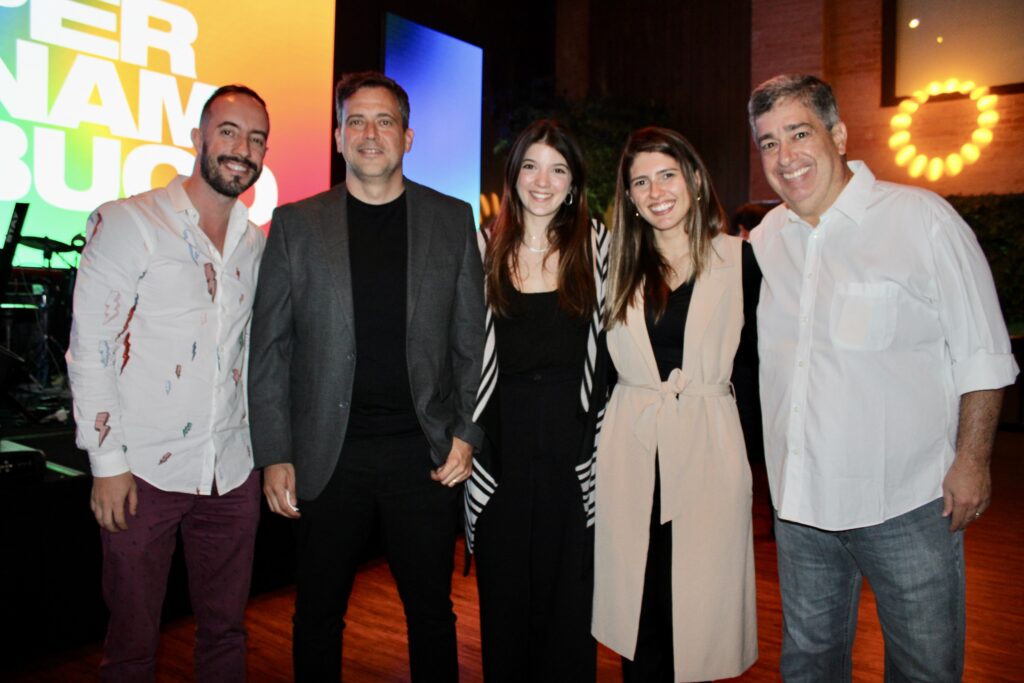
[[953, 163]]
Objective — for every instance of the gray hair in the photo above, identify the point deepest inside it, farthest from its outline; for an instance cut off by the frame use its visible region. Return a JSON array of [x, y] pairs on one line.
[[810, 90]]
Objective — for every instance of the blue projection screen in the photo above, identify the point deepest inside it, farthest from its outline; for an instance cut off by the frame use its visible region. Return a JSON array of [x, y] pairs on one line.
[[444, 79]]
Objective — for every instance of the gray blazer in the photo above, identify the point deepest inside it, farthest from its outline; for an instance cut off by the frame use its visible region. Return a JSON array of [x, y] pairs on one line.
[[303, 347]]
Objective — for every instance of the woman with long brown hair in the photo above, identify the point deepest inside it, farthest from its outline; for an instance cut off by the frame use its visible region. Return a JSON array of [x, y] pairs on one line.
[[529, 501], [674, 564]]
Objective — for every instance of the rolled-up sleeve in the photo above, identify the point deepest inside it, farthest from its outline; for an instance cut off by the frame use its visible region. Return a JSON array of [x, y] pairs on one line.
[[968, 307]]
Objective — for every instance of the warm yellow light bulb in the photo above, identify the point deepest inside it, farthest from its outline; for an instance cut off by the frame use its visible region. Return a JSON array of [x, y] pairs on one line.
[[988, 119], [899, 139], [909, 106], [939, 39], [917, 166], [970, 153], [987, 102], [904, 156], [954, 164], [981, 136], [914, 23], [901, 120]]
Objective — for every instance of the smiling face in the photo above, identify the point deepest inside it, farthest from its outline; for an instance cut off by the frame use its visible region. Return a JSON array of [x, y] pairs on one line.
[[543, 183], [371, 138], [802, 160], [231, 143], [658, 189]]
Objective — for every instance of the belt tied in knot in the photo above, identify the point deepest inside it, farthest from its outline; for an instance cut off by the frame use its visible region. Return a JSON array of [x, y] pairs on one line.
[[651, 422]]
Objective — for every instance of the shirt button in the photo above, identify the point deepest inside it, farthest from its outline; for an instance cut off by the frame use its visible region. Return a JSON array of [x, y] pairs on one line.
[[343, 405], [800, 363], [796, 409], [351, 356]]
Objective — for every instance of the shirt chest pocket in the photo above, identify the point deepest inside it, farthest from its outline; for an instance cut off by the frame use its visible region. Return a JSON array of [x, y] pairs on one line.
[[863, 315]]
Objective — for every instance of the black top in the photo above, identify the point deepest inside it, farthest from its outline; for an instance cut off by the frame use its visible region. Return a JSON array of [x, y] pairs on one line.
[[667, 334], [378, 245], [540, 339], [667, 342]]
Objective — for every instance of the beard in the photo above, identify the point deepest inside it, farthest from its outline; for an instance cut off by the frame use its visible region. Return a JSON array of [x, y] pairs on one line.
[[229, 186]]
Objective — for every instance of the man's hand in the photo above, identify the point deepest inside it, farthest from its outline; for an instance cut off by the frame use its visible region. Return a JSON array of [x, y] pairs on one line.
[[109, 495], [967, 492], [279, 488], [967, 487], [458, 466]]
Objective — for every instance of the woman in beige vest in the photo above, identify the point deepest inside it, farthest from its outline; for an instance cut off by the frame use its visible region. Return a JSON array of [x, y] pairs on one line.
[[674, 562]]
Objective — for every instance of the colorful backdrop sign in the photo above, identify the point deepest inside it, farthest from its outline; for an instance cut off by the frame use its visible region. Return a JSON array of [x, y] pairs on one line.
[[98, 99]]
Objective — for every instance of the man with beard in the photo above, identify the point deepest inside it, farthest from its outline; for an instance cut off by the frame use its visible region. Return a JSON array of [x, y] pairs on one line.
[[156, 362]]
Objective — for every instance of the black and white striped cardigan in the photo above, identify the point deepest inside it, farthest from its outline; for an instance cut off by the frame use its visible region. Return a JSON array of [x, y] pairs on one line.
[[484, 481]]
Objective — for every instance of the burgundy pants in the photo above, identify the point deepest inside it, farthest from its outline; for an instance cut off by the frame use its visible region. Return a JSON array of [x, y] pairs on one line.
[[219, 532]]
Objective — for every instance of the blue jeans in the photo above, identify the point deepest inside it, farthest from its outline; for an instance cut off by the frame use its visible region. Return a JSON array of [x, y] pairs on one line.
[[916, 569]]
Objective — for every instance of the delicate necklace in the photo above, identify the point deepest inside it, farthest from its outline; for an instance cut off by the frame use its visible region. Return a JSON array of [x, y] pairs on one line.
[[535, 250]]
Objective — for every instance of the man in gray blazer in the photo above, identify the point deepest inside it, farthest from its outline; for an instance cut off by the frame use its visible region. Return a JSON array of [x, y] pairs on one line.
[[366, 350]]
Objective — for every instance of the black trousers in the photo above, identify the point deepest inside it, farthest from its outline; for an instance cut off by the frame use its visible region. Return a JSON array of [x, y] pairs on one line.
[[653, 660], [379, 483], [534, 553]]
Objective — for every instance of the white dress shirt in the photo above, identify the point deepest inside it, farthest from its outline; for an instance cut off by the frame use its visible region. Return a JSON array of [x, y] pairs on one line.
[[870, 327], [157, 359]]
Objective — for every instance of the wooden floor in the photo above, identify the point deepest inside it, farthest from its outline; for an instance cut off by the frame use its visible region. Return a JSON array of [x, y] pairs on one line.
[[375, 647]]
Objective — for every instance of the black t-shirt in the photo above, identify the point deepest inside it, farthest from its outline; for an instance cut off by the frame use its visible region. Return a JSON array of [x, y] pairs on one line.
[[378, 244]]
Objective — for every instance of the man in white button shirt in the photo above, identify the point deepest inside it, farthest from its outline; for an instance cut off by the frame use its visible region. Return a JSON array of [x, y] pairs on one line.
[[157, 360], [883, 356]]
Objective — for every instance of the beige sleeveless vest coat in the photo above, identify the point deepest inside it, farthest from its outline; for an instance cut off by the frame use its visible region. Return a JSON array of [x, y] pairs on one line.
[[691, 422]]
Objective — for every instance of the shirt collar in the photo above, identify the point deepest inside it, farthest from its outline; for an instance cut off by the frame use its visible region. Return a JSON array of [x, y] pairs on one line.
[[238, 222], [179, 198], [853, 200]]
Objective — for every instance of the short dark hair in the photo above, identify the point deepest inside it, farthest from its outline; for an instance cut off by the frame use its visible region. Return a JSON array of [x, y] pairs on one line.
[[233, 89], [811, 90], [350, 83]]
